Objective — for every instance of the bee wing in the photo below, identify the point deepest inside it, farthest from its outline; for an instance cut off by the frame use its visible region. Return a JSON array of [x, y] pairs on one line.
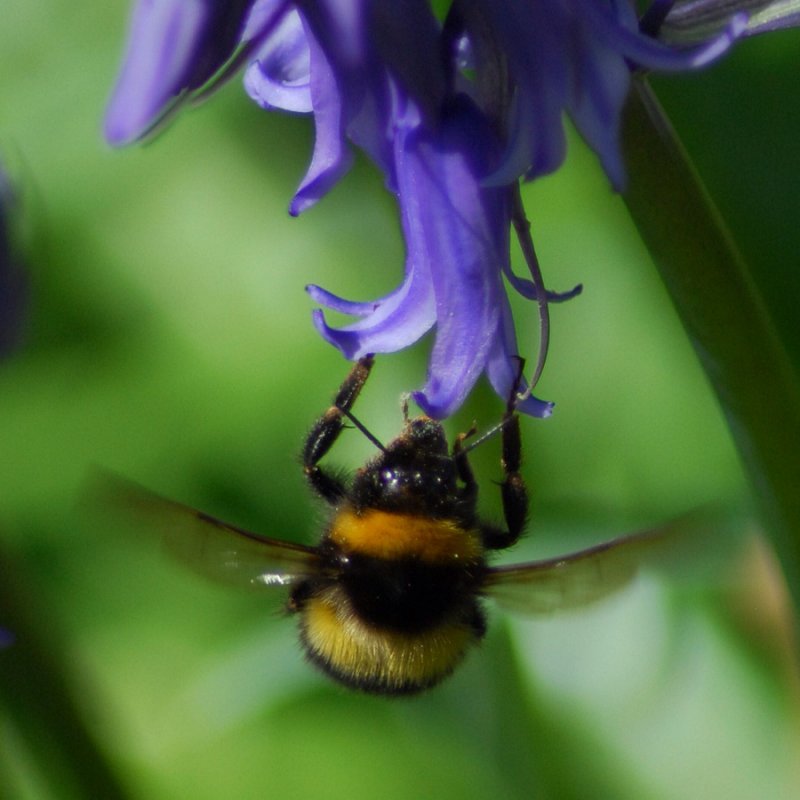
[[208, 546], [685, 547]]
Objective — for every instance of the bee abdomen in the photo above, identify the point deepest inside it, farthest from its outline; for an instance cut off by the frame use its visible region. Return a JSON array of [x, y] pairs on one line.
[[379, 660]]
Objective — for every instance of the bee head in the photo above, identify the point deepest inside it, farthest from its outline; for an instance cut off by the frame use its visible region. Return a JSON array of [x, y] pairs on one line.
[[414, 471]]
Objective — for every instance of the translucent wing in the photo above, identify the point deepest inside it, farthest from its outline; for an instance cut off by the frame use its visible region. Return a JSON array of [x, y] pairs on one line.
[[210, 547], [686, 547]]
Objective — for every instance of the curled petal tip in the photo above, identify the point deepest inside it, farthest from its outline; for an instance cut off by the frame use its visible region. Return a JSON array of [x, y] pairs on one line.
[[562, 297], [540, 408], [125, 124], [433, 410], [336, 303], [347, 342], [115, 134], [298, 205], [738, 23]]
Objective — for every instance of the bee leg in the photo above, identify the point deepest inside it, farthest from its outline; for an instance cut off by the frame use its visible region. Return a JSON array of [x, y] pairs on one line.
[[512, 490], [463, 467], [327, 429]]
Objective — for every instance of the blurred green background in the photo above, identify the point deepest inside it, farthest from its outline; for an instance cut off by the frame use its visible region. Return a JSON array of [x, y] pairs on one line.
[[169, 338]]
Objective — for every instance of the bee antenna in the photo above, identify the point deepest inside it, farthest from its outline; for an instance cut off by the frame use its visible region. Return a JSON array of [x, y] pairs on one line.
[[363, 428], [511, 406], [493, 431]]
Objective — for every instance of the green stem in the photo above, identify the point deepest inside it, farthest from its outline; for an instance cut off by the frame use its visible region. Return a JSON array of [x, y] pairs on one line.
[[724, 315]]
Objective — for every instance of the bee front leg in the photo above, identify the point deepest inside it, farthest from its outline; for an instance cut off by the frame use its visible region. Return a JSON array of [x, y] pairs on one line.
[[326, 430], [513, 490], [463, 467]]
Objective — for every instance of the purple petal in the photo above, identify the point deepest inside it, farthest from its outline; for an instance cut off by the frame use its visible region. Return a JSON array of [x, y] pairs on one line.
[[775, 16], [692, 21], [458, 228], [279, 77], [336, 303], [264, 17], [537, 144], [365, 65], [595, 100], [174, 47], [530, 35], [648, 52], [406, 36], [389, 324], [380, 60], [397, 322], [332, 157], [502, 366], [528, 289], [161, 46]]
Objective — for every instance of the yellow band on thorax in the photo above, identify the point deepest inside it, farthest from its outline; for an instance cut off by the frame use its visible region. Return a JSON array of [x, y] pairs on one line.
[[388, 535]]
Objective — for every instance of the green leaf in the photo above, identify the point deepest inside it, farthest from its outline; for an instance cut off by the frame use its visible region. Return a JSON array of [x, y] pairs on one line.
[[724, 316]]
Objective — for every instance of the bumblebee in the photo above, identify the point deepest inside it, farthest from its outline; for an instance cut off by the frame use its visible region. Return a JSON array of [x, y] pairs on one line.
[[391, 599]]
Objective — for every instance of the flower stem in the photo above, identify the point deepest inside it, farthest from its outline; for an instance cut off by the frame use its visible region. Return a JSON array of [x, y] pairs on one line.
[[523, 230], [724, 316]]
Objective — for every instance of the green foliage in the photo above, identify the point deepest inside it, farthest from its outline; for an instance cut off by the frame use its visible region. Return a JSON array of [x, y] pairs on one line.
[[170, 339]]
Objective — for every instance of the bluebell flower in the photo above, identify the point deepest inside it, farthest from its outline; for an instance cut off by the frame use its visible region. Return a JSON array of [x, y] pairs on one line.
[[454, 276], [6, 637], [574, 57], [454, 113], [686, 22], [174, 48], [13, 278]]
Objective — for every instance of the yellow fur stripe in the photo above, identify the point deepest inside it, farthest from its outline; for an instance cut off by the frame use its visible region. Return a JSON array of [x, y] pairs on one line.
[[386, 659], [383, 534]]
